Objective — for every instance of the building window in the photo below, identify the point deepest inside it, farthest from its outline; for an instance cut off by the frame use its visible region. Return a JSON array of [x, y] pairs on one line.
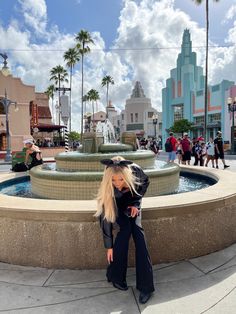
[[122, 116], [198, 120], [178, 112], [150, 114], [136, 117], [215, 88], [2, 109], [199, 93], [216, 117], [132, 117]]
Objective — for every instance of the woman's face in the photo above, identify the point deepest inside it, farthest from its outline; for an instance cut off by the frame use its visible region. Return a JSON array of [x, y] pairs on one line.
[[118, 181]]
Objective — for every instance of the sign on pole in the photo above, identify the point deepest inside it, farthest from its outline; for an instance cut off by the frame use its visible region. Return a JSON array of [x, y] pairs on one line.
[[65, 113], [64, 101]]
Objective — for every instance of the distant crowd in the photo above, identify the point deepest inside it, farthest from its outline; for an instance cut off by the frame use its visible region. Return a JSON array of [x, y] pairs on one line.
[[183, 148], [154, 144]]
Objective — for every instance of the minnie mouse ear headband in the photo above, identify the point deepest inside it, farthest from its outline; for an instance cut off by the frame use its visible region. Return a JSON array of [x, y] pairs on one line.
[[115, 163]]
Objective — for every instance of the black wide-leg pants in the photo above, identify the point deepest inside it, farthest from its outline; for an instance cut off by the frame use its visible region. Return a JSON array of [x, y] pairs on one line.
[[116, 271]]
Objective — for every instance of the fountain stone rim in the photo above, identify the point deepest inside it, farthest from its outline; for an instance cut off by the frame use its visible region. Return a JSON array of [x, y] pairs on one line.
[[178, 226]]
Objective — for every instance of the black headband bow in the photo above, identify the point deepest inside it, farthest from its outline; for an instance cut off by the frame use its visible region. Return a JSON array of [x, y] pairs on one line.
[[115, 163]]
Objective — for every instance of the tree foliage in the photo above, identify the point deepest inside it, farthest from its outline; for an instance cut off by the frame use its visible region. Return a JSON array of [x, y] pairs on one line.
[[74, 136], [181, 126], [106, 81]]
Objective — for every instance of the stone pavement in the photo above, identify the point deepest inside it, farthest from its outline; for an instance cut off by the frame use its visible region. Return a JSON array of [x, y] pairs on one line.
[[202, 285], [205, 284]]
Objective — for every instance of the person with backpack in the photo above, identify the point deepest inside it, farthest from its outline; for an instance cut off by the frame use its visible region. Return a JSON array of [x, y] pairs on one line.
[[170, 147]]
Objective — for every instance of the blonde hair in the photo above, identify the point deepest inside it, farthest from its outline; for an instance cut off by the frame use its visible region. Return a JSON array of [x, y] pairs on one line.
[[105, 197]]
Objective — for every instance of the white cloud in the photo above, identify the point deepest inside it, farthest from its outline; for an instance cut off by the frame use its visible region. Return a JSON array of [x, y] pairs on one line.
[[35, 14], [230, 14]]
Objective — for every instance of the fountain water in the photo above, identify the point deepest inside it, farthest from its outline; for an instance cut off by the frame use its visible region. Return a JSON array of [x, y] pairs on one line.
[[107, 130]]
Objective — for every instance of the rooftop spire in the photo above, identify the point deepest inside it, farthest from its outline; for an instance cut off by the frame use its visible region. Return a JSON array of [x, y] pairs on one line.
[[186, 47], [138, 91]]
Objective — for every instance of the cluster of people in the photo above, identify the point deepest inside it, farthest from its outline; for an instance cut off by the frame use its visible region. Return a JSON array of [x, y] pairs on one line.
[[151, 143], [203, 152], [46, 142]]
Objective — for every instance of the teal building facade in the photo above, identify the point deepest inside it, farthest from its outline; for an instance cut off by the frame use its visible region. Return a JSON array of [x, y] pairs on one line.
[[183, 96]]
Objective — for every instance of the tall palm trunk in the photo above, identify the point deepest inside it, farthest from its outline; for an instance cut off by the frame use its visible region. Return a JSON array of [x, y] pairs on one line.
[[93, 114], [82, 92], [59, 103], [206, 72], [70, 97], [52, 108], [107, 101]]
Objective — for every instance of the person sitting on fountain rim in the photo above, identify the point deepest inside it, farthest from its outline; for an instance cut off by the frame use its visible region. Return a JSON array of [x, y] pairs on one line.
[[119, 200], [34, 152]]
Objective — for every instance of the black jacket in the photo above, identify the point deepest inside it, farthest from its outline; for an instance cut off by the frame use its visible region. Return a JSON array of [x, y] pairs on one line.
[[122, 201]]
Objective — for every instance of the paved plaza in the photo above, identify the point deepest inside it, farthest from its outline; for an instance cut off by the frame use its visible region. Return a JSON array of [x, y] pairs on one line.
[[201, 285]]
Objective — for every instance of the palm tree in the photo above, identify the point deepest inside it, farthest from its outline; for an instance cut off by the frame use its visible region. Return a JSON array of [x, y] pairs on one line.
[[85, 99], [206, 64], [93, 96], [59, 74], [83, 38], [72, 56], [50, 93], [105, 82]]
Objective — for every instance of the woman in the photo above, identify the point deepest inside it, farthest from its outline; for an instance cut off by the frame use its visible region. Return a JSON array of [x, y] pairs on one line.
[[119, 200], [34, 152]]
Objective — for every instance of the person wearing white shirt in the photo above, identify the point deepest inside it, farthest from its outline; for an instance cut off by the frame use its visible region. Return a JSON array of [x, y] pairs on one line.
[[210, 150]]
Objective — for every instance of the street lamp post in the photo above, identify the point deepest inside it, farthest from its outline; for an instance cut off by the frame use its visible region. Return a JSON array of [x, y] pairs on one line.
[[7, 103], [154, 121], [5, 70], [232, 108]]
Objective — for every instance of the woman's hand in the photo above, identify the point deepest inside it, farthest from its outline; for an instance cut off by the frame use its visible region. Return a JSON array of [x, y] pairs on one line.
[[134, 211], [109, 255]]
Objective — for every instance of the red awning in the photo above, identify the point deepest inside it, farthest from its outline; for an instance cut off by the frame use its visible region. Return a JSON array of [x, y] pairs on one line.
[[49, 127]]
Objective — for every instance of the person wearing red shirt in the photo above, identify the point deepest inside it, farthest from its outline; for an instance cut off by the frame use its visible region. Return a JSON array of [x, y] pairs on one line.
[[186, 149], [172, 154]]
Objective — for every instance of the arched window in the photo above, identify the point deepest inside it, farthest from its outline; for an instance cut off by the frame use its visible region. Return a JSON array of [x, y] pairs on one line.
[[2, 109]]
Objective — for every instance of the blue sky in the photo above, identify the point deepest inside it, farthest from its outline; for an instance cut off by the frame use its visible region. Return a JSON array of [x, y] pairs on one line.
[[44, 29], [103, 15]]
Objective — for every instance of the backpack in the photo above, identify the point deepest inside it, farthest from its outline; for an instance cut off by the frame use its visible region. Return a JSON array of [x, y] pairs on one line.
[[168, 146]]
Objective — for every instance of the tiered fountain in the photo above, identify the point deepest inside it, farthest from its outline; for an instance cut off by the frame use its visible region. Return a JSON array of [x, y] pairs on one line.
[[78, 174]]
